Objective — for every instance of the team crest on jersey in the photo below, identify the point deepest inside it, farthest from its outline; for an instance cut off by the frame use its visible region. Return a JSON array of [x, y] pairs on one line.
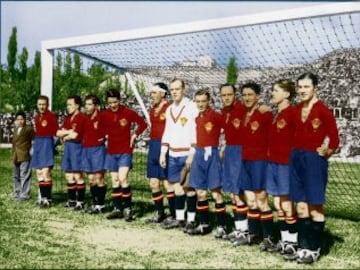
[[73, 126], [44, 123], [123, 122], [96, 125], [183, 121], [254, 126], [316, 123], [280, 124], [162, 116], [236, 123], [208, 127]]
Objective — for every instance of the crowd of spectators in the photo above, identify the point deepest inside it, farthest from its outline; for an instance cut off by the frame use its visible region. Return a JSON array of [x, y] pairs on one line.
[[339, 87]]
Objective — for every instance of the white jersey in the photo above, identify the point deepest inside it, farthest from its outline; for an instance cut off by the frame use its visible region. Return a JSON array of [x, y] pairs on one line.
[[180, 128]]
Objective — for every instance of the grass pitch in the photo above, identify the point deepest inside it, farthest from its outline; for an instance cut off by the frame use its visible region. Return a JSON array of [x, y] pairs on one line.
[[59, 238]]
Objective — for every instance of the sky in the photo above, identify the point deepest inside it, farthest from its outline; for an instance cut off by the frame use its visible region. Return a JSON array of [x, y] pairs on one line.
[[37, 21]]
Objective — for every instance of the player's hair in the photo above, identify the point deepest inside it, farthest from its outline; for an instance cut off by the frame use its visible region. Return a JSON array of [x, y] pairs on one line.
[[227, 85], [286, 85], [20, 113], [42, 97], [252, 85], [203, 91], [76, 98], [162, 86], [95, 99], [113, 93], [308, 75], [180, 80]]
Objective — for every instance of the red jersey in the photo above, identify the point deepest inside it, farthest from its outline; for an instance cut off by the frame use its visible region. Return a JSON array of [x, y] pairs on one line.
[[76, 123], [93, 135], [157, 120], [281, 135], [208, 127], [255, 135], [319, 124], [46, 124], [117, 125], [232, 118]]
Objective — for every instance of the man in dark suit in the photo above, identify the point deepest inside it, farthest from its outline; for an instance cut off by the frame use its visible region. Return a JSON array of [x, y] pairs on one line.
[[21, 145]]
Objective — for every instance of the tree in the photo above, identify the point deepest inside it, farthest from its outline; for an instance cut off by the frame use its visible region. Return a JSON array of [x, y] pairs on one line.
[[23, 63], [232, 72], [11, 56]]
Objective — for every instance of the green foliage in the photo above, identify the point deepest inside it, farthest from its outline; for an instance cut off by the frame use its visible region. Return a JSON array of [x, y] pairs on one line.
[[23, 63], [20, 84], [232, 72], [12, 51]]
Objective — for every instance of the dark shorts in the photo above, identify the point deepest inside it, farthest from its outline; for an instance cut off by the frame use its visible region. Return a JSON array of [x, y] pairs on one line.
[[175, 165], [205, 174], [253, 175], [153, 169], [115, 161], [231, 173], [93, 158], [71, 160], [278, 179], [308, 177], [43, 153]]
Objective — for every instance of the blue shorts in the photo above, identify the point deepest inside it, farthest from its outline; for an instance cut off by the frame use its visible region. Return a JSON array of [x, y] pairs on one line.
[[308, 177], [154, 170], [175, 165], [93, 158], [253, 175], [205, 174], [71, 160], [278, 179], [231, 173], [43, 153], [115, 161]]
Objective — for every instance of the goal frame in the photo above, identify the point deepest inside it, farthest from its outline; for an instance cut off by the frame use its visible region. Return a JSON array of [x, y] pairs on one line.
[[48, 46]]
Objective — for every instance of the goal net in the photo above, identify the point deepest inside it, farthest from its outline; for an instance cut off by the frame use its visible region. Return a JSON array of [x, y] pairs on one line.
[[266, 47]]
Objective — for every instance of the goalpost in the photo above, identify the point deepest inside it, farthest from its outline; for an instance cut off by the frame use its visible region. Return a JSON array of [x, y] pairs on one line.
[[267, 46]]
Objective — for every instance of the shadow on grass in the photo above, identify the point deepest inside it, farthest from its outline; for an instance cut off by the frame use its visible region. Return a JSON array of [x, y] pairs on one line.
[[349, 214], [328, 240]]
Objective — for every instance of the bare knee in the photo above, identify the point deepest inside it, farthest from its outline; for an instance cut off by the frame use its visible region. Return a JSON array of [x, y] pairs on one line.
[[251, 199], [277, 203], [179, 191], [262, 201], [154, 184], [302, 209], [317, 213], [201, 195], [217, 196]]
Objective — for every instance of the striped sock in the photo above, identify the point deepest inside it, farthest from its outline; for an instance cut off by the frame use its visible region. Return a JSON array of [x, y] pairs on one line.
[[242, 223], [101, 193], [116, 197], [71, 189], [203, 211], [171, 201], [158, 199], [81, 192], [47, 186], [266, 219], [94, 194], [191, 207], [254, 221], [127, 197], [304, 231], [220, 211]]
